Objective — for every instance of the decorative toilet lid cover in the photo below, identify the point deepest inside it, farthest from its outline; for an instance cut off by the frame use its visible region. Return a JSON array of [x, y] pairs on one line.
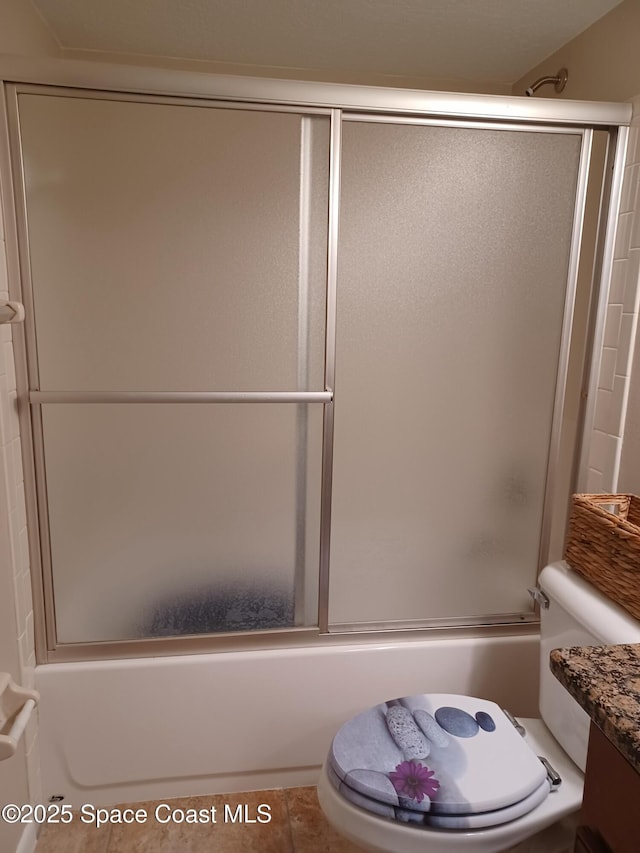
[[481, 820], [438, 754]]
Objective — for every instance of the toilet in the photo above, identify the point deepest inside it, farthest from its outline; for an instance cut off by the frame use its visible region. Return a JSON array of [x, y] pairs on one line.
[[445, 773]]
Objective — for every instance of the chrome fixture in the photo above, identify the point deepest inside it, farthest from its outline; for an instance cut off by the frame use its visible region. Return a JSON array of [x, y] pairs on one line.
[[559, 82], [517, 726], [555, 780], [539, 597]]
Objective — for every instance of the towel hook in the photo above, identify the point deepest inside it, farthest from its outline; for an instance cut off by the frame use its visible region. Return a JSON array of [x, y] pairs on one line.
[[11, 312]]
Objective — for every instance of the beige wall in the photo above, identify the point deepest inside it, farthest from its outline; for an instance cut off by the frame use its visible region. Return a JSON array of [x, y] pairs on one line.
[[603, 61], [22, 30], [325, 75]]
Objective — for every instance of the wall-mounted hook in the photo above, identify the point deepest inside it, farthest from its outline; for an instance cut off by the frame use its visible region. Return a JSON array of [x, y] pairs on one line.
[[11, 312]]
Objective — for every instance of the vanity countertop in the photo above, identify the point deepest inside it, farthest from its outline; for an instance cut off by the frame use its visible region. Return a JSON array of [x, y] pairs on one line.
[[605, 681]]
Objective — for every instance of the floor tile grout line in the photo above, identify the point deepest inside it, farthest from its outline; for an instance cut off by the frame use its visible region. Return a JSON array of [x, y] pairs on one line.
[[286, 805]]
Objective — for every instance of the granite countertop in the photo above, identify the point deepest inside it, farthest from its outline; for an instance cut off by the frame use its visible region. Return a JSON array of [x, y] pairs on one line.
[[605, 681]]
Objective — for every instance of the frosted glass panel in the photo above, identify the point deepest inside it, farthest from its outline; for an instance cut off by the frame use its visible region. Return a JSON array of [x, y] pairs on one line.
[[453, 262], [171, 247], [171, 520]]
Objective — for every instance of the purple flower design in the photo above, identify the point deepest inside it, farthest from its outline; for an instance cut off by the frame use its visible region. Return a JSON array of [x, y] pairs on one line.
[[414, 780]]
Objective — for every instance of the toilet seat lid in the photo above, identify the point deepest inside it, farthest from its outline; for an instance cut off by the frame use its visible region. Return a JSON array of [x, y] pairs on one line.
[[480, 820], [439, 753]]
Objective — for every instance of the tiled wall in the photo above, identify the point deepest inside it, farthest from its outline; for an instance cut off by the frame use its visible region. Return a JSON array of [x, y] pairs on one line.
[[620, 330], [14, 553]]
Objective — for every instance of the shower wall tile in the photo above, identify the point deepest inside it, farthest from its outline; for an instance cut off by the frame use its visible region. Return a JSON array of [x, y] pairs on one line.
[[604, 411], [630, 300], [605, 440], [21, 508], [633, 147], [603, 451], [4, 407], [612, 325], [634, 234], [24, 643], [4, 285], [11, 485], [618, 401], [623, 235], [618, 281], [594, 482], [634, 187], [24, 607], [8, 361], [630, 190], [623, 361], [10, 422], [607, 368], [14, 557]]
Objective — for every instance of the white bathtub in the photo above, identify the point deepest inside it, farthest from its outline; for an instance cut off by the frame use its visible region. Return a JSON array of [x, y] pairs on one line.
[[120, 731]]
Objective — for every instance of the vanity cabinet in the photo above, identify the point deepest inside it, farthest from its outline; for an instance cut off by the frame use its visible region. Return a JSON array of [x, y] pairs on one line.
[[610, 816], [589, 841]]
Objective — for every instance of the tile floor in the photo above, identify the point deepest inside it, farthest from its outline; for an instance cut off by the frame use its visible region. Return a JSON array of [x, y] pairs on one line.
[[297, 825]]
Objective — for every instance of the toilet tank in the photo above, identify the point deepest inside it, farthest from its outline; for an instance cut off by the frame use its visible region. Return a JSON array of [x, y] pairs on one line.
[[578, 615]]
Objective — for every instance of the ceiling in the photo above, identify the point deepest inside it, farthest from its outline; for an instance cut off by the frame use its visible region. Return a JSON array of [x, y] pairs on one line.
[[489, 40]]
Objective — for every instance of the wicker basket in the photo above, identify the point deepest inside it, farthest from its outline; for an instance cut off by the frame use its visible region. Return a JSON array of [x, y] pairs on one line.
[[603, 545]]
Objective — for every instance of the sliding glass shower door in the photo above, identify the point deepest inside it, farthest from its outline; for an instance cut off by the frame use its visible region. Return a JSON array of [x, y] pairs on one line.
[[453, 264], [292, 369], [177, 261]]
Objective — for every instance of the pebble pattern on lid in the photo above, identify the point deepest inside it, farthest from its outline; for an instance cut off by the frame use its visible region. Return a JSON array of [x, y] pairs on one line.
[[458, 722], [434, 755]]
